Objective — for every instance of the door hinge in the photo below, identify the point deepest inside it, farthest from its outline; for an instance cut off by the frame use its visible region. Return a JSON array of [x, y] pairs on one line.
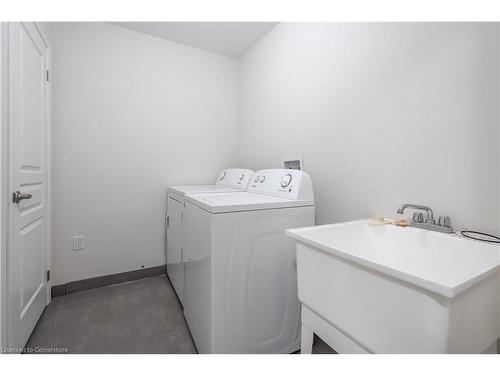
[[48, 275], [168, 221], [47, 75]]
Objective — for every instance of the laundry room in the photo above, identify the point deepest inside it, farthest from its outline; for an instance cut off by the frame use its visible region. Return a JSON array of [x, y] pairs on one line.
[[250, 187]]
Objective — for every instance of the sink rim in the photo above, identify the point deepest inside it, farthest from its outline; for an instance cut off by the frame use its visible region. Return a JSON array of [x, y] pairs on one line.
[[448, 291]]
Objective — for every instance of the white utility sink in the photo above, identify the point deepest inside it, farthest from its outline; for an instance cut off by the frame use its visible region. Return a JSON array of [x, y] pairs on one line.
[[387, 289]]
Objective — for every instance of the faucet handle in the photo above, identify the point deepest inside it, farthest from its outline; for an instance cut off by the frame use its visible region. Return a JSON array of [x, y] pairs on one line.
[[418, 217], [444, 221]]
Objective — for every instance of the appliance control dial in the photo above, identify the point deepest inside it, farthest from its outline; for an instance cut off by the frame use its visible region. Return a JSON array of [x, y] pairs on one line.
[[242, 177], [256, 179], [285, 181], [262, 179], [222, 175]]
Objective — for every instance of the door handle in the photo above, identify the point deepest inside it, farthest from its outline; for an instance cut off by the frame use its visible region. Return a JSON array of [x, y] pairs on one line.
[[18, 196]]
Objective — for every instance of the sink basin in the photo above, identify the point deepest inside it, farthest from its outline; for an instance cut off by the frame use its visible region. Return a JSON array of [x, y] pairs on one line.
[[387, 289]]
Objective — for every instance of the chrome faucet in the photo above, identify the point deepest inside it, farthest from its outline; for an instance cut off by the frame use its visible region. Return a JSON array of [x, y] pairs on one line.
[[443, 225], [430, 215]]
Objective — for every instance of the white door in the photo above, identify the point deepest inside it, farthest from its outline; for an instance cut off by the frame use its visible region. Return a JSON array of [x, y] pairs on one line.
[[28, 164], [175, 267]]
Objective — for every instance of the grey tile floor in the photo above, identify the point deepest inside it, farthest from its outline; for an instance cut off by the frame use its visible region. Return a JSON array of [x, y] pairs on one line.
[[143, 316]]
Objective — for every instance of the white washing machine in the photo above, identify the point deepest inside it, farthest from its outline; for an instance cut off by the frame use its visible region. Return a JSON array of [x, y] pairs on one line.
[[240, 293], [229, 180]]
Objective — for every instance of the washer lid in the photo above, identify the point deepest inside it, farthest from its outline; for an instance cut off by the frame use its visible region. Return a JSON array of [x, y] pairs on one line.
[[200, 189], [242, 201]]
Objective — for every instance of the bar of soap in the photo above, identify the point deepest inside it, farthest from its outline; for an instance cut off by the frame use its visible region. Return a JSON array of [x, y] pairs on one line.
[[378, 220]]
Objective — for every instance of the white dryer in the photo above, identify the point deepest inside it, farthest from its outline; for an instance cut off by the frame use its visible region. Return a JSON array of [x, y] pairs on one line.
[[229, 180], [240, 293]]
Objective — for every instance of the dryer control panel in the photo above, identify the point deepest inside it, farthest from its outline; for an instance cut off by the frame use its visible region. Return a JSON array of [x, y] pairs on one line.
[[234, 177], [283, 183]]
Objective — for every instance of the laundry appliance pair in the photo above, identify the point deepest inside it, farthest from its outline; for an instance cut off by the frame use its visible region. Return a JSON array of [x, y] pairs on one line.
[[231, 264]]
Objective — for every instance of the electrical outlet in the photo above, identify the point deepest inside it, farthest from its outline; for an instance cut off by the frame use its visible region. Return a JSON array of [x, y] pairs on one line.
[[78, 243]]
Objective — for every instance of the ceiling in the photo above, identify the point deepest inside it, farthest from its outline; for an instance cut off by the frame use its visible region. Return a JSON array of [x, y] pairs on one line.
[[230, 39]]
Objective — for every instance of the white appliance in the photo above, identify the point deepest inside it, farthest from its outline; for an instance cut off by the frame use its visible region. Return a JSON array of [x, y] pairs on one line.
[[229, 180], [240, 293]]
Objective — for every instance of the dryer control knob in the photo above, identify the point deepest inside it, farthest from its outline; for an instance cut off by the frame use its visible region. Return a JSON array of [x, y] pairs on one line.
[[285, 181]]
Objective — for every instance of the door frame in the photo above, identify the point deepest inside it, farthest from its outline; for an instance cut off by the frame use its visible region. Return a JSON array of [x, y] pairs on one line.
[[5, 203]]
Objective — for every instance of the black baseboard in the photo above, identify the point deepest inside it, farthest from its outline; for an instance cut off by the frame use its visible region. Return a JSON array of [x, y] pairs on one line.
[[102, 281]]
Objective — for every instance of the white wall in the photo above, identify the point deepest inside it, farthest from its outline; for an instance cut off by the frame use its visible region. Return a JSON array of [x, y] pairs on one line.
[[382, 114], [3, 184], [131, 114]]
